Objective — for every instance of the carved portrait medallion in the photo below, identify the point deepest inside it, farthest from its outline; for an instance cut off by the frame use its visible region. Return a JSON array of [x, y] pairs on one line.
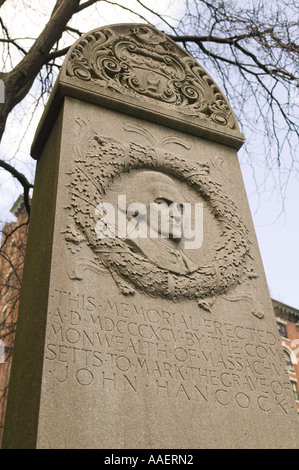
[[148, 266], [136, 69]]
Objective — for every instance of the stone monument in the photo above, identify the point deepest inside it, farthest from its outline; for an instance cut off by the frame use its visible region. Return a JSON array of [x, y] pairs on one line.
[[135, 333]]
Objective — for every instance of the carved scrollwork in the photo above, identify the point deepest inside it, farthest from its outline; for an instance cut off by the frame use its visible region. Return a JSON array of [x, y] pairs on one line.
[[99, 161], [142, 62]]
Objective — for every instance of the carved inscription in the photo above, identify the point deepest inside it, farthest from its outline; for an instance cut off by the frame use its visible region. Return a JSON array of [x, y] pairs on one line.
[[130, 348]]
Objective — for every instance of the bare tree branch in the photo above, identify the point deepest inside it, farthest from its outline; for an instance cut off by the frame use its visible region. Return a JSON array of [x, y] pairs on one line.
[[54, 55], [86, 5], [9, 40], [233, 41], [19, 81], [10, 234], [16, 174], [22, 180]]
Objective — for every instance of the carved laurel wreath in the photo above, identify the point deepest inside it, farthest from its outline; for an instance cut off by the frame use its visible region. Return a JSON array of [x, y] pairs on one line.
[[100, 160]]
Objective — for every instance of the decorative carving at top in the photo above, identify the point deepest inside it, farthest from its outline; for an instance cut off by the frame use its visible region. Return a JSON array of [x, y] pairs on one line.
[[141, 62]]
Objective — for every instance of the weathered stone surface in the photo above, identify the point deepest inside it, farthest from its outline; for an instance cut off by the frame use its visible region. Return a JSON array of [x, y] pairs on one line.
[[143, 343]]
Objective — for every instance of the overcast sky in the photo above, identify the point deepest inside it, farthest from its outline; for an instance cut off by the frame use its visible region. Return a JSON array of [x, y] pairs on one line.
[[277, 227]]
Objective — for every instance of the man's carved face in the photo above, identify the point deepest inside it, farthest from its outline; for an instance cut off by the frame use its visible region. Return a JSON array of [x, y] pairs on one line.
[[161, 200], [166, 218]]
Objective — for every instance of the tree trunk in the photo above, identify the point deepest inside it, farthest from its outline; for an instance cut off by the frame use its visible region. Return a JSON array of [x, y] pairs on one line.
[[19, 81]]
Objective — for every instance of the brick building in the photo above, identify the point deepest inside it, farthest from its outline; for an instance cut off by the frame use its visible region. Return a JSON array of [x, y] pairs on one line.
[[12, 253], [288, 326], [13, 243]]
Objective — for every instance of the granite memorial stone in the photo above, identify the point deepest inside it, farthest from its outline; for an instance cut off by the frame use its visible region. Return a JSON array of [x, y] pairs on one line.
[[145, 318]]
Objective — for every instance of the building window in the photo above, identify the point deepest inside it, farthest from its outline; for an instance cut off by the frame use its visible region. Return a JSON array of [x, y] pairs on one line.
[[12, 247], [7, 284], [295, 390], [282, 329], [4, 314], [288, 361]]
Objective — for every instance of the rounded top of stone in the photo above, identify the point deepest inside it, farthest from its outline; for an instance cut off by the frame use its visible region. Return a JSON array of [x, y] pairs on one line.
[[138, 70], [139, 62]]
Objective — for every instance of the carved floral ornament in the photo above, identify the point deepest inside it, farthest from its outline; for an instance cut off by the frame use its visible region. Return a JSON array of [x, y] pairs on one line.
[[99, 161], [141, 62]]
